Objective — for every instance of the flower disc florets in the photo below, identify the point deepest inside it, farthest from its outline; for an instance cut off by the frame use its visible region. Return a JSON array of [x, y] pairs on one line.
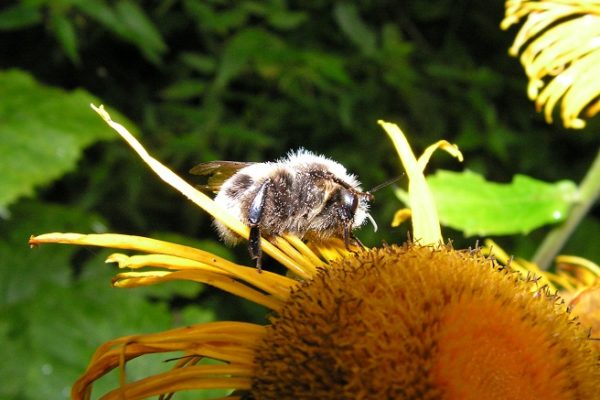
[[421, 323]]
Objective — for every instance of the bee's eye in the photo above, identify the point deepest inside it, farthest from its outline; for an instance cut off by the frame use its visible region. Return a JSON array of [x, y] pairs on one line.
[[347, 198], [349, 203]]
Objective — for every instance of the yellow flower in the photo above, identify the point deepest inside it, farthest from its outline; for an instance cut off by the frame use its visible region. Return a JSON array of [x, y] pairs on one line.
[[559, 47], [415, 321]]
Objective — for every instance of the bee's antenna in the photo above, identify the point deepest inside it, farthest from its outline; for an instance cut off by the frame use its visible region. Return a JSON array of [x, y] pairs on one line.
[[386, 183]]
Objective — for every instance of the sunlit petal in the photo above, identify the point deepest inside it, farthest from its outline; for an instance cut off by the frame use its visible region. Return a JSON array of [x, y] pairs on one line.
[[425, 221]]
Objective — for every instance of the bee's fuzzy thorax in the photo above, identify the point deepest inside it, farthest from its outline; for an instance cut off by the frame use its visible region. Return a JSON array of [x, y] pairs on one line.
[[303, 158]]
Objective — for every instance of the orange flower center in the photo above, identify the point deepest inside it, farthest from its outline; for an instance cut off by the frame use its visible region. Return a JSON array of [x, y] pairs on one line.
[[485, 352]]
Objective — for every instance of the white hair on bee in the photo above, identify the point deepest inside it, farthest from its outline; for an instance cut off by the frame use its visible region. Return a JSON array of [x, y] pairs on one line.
[[303, 157]]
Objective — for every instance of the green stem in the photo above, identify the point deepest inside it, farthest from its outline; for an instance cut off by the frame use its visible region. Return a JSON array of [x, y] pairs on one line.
[[589, 191]]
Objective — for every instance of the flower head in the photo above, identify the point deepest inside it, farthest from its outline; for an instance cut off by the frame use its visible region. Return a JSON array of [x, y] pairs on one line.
[[423, 322], [415, 321]]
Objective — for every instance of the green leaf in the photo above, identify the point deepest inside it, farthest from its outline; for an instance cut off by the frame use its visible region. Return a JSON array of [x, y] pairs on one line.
[[101, 12], [184, 89], [57, 330], [469, 203], [140, 30], [43, 132], [24, 270], [200, 62], [354, 27], [128, 21], [65, 33], [29, 279], [213, 18], [287, 20], [20, 16], [241, 48], [330, 67], [243, 136]]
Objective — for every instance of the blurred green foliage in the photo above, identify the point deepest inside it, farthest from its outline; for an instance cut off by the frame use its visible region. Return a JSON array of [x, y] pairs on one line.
[[246, 80]]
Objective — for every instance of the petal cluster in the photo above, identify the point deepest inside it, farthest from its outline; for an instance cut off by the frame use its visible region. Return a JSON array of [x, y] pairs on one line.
[[559, 47]]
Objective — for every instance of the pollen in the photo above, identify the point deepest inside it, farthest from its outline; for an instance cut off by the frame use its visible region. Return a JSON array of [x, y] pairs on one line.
[[417, 322]]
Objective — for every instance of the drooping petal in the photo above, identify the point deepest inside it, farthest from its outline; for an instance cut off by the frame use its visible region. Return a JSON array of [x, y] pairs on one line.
[[231, 342], [135, 279], [332, 249], [576, 280]]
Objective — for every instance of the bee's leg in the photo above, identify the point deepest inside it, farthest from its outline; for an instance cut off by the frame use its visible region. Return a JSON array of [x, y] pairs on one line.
[[349, 238], [357, 242], [255, 213], [254, 246]]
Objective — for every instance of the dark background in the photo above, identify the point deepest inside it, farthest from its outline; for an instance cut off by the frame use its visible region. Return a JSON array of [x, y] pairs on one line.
[[248, 81]]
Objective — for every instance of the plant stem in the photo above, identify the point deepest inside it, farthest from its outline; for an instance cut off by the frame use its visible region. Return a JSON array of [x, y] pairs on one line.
[[589, 191]]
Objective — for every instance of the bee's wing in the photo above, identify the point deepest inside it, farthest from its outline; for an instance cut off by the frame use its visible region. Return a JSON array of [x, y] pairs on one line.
[[218, 171]]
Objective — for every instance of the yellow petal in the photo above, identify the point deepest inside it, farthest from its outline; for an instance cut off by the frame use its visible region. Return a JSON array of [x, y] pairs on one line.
[[204, 262], [331, 249], [425, 221], [135, 279], [274, 284], [131, 242], [448, 147], [586, 271], [400, 216], [231, 342]]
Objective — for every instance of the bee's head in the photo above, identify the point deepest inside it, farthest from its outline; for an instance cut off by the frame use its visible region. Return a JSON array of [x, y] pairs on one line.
[[354, 206], [359, 204]]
